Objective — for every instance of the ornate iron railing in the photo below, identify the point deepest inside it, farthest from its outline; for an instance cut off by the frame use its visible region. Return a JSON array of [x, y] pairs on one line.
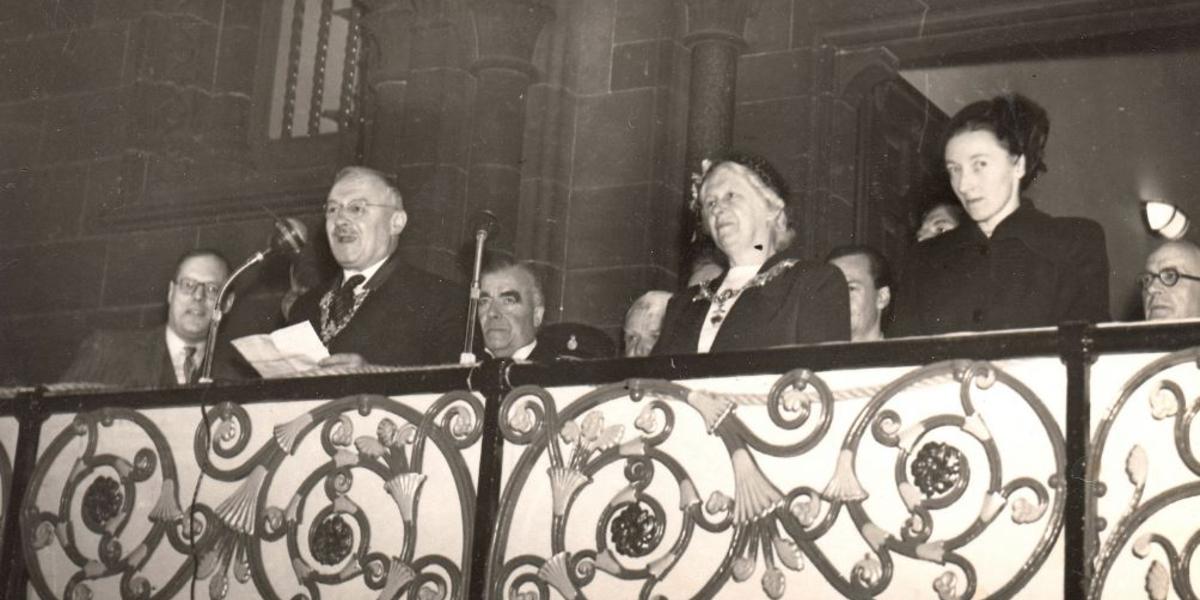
[[960, 467]]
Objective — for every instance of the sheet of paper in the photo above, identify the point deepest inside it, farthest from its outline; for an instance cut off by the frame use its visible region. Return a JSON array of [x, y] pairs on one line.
[[301, 344], [284, 352], [260, 352]]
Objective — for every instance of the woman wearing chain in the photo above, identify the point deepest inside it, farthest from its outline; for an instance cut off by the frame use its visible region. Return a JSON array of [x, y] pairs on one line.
[[768, 296]]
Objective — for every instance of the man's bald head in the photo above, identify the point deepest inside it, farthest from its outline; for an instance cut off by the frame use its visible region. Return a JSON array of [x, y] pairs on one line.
[[363, 218], [1178, 301], [643, 322]]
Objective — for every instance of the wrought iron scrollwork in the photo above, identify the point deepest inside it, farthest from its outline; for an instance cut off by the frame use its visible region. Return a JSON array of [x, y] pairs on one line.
[[637, 528], [1165, 402], [228, 540], [938, 468], [771, 529]]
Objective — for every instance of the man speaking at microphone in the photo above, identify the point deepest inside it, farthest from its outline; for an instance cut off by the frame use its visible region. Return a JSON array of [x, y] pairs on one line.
[[378, 310]]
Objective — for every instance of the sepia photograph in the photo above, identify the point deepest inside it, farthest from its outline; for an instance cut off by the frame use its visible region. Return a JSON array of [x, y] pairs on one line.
[[564, 299]]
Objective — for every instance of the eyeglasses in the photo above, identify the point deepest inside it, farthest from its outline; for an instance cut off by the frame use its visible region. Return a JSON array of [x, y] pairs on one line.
[[191, 286], [354, 209], [1169, 276]]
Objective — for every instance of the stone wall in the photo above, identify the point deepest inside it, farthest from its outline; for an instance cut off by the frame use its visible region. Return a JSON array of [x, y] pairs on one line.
[[130, 136], [126, 137], [606, 142], [132, 130]]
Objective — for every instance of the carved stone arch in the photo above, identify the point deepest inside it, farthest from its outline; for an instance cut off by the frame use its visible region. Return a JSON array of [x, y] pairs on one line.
[[881, 149], [386, 41], [859, 71]]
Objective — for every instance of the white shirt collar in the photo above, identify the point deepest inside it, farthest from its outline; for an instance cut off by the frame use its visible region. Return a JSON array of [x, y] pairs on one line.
[[367, 274], [175, 349], [176, 344], [521, 354]]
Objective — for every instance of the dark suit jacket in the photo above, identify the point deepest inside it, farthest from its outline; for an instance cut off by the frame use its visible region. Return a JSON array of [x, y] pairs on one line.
[[410, 317], [1035, 270], [807, 303], [137, 358], [127, 358]]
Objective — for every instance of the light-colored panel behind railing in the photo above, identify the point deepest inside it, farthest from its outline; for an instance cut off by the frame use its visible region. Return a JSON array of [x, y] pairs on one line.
[[9, 435], [1147, 476], [351, 497], [772, 510]]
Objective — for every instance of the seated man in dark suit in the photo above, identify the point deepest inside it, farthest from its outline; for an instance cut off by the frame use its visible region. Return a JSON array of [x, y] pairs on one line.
[[869, 280], [162, 356], [1171, 282], [511, 309], [378, 310], [643, 322]]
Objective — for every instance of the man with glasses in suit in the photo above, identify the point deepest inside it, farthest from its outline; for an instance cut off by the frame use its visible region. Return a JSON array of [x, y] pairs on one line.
[[167, 355], [377, 309], [1171, 282]]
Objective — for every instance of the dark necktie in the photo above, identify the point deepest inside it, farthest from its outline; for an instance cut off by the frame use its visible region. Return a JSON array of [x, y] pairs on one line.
[[189, 364], [343, 300]]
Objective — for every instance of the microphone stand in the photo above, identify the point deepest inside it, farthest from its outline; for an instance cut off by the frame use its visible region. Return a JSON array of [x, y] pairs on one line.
[[468, 354], [289, 237], [210, 344]]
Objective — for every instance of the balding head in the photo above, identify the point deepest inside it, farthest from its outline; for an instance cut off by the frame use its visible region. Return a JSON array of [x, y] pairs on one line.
[[388, 192], [643, 322], [1178, 301], [363, 218]]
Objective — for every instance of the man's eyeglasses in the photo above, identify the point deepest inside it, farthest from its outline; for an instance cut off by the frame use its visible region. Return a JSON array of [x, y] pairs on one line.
[[190, 286], [355, 209], [1169, 276]]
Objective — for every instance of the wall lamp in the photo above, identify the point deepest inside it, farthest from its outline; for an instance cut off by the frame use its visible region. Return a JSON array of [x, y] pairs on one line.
[[1165, 219]]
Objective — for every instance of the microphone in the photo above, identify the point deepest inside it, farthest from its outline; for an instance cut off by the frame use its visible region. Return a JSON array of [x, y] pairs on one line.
[[484, 223], [288, 239]]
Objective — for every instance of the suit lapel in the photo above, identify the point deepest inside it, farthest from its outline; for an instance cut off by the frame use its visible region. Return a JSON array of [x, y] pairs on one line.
[[693, 317], [393, 267], [748, 312], [162, 370]]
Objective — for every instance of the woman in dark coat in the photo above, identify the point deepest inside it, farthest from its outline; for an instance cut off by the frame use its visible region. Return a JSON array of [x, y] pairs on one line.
[[767, 296], [1010, 265]]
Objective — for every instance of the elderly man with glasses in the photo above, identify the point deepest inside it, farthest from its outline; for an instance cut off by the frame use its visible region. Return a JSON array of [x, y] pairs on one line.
[[1171, 282], [378, 310], [167, 355]]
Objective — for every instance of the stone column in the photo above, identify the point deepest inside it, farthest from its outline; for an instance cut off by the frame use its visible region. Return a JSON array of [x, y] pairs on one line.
[[506, 32], [386, 47], [714, 35]]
